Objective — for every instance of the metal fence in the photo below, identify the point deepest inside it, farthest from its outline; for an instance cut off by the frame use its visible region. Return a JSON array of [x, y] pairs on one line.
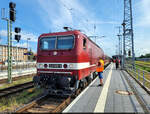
[[143, 59], [18, 66], [142, 76]]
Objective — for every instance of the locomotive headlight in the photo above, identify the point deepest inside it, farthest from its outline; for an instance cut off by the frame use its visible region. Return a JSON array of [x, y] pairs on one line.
[[70, 65], [40, 65]]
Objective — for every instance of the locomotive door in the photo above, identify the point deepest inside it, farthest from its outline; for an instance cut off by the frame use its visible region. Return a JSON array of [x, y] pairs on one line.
[[91, 56]]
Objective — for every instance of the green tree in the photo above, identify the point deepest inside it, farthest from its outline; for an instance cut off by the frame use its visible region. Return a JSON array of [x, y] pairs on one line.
[[147, 55]]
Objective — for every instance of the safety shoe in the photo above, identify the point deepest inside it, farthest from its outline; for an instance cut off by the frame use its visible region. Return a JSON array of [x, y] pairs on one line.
[[100, 85]]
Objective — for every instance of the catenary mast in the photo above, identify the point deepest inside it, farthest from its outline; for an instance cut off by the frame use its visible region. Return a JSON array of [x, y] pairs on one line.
[[128, 40]]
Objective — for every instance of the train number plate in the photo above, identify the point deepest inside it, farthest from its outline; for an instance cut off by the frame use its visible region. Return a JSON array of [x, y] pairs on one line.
[[55, 65]]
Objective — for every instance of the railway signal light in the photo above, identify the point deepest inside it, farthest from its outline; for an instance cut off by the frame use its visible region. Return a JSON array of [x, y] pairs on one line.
[[12, 11], [17, 36], [17, 29]]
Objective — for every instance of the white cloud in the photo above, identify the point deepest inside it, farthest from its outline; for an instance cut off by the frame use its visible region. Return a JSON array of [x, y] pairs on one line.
[[144, 17], [62, 13], [142, 48], [24, 35], [55, 14], [24, 45], [3, 33]]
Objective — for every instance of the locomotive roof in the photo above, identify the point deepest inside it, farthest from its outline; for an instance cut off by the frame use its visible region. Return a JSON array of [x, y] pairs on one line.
[[68, 33], [61, 33]]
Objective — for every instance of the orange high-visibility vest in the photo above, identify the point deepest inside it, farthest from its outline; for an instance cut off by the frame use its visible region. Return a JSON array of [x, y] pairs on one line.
[[101, 68]]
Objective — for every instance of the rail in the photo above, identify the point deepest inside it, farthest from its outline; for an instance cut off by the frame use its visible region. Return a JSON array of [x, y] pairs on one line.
[[45, 104], [14, 89]]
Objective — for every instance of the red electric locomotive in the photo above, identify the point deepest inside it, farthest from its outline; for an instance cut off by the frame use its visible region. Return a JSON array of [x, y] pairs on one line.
[[66, 61]]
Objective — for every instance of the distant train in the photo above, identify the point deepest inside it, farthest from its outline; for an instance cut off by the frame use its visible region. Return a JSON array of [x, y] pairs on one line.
[[66, 61]]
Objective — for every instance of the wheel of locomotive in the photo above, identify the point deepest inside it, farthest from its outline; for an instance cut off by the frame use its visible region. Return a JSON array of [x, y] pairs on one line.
[[89, 78], [36, 81], [94, 75], [85, 82], [81, 84]]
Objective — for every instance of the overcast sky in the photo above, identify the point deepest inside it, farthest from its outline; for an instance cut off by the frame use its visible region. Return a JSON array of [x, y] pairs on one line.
[[42, 16]]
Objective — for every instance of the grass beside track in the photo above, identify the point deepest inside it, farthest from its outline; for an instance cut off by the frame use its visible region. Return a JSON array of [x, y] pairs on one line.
[[143, 62], [143, 65], [10, 104], [20, 81]]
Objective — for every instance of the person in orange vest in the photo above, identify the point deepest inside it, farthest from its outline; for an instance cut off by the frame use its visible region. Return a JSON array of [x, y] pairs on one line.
[[99, 70]]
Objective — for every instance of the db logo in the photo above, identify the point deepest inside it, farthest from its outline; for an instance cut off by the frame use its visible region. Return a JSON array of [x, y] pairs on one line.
[[55, 53]]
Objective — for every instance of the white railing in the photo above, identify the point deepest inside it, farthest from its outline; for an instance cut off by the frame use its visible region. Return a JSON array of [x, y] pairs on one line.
[[19, 65]]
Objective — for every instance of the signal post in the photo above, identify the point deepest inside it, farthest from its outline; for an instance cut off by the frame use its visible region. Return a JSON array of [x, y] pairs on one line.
[[10, 20]]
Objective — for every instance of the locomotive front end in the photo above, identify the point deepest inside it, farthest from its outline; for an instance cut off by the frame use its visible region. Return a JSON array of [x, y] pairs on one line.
[[56, 62]]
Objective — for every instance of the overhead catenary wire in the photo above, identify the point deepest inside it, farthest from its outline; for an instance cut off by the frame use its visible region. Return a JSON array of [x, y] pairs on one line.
[[75, 18]]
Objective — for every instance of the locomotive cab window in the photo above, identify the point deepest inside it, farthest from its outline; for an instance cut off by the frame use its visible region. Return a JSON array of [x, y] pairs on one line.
[[84, 43], [57, 43], [65, 42], [48, 43]]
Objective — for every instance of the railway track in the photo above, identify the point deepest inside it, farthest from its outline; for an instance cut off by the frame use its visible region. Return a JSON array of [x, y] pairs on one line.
[[45, 104], [14, 89], [49, 103]]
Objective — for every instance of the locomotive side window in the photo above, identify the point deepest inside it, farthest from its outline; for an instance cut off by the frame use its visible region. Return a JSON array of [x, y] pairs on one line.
[[65, 42], [48, 43], [84, 43]]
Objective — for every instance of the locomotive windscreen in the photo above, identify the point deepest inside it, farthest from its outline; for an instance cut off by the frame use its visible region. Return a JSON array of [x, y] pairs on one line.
[[58, 42]]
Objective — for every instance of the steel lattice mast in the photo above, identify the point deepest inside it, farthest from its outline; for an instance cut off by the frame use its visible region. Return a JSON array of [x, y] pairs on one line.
[[128, 41]]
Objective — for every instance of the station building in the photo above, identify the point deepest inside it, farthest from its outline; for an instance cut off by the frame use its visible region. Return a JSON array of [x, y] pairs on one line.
[[17, 53]]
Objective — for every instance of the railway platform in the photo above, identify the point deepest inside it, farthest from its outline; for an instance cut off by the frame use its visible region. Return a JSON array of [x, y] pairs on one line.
[[120, 93]]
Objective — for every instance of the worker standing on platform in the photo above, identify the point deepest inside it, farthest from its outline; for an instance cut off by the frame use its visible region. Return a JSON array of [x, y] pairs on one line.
[[117, 63], [99, 70]]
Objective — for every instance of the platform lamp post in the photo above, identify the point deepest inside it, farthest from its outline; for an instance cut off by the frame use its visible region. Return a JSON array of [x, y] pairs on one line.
[[28, 42]]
